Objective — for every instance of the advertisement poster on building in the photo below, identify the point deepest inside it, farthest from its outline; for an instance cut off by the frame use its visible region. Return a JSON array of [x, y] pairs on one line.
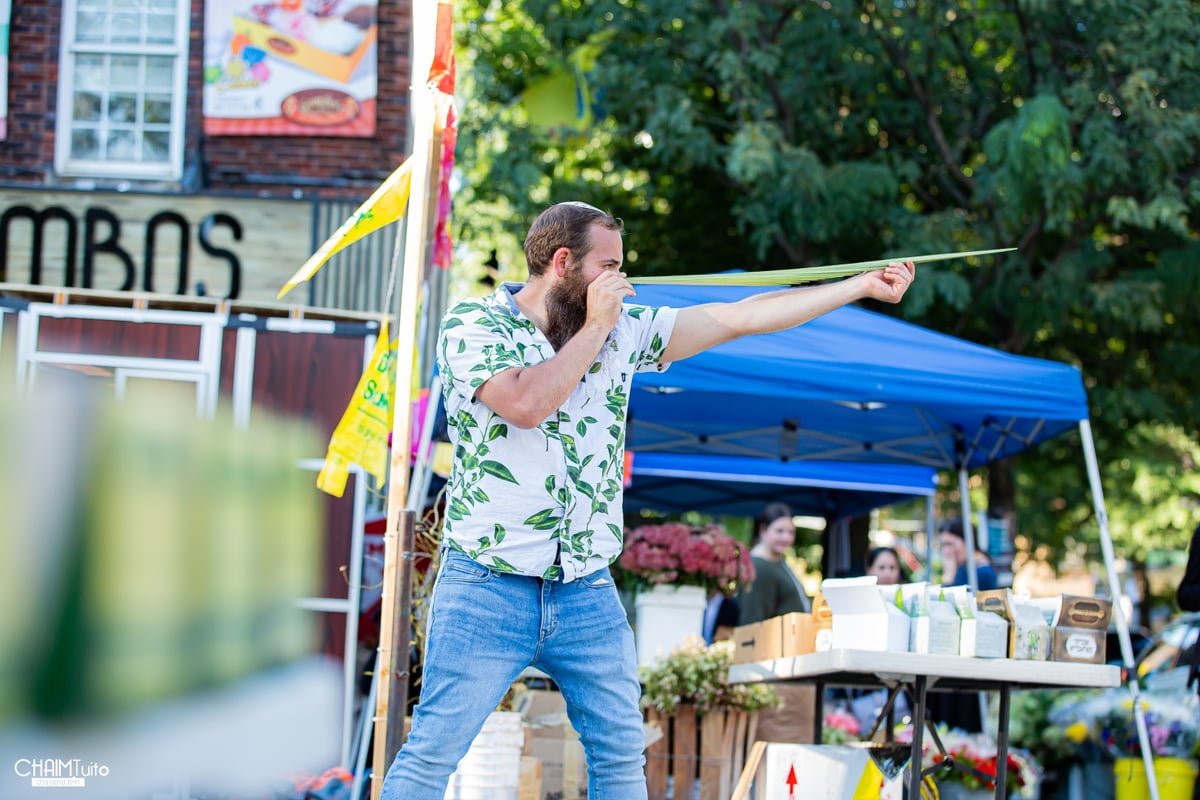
[[5, 18], [290, 67]]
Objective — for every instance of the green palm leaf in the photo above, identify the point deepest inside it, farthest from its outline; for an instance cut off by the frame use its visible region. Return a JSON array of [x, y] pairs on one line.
[[794, 275]]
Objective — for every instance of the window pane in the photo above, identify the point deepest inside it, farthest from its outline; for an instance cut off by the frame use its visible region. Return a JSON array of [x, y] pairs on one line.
[[122, 107], [160, 73], [126, 28], [87, 107], [84, 144], [91, 26], [122, 146], [160, 28], [89, 72], [123, 72], [156, 147], [121, 101], [157, 110]]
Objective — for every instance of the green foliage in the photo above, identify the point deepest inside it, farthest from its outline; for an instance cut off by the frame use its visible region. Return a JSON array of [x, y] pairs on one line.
[[1030, 727], [759, 135], [698, 675]]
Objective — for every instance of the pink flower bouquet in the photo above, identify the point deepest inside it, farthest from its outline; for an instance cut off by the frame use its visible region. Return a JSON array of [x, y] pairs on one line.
[[684, 555]]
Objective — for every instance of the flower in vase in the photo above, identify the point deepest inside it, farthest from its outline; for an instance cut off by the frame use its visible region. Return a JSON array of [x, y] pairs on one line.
[[679, 554]]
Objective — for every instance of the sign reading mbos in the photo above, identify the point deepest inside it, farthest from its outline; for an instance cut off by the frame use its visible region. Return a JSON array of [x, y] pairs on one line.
[[236, 248], [101, 230]]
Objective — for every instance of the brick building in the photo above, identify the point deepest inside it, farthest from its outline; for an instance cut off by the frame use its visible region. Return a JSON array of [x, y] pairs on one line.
[[123, 168], [165, 167]]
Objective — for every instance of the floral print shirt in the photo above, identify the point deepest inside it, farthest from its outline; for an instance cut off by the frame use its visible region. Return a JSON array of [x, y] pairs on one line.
[[543, 501]]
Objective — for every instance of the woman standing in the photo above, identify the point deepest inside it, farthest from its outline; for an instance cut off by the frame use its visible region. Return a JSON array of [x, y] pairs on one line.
[[775, 589]]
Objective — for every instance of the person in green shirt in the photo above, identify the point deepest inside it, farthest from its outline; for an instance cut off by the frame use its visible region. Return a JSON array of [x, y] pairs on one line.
[[775, 589]]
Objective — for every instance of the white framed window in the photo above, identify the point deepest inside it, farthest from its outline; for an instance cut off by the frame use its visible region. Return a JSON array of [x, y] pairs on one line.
[[122, 89]]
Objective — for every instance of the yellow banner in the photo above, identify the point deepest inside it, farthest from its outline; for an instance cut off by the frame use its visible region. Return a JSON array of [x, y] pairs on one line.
[[386, 205], [362, 435]]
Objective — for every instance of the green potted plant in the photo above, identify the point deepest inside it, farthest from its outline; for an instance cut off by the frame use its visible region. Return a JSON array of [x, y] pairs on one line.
[[688, 697]]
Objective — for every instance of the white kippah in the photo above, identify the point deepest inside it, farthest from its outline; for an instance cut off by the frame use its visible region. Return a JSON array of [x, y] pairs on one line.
[[580, 204]]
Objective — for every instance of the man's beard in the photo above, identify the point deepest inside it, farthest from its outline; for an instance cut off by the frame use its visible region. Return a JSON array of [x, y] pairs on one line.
[[566, 307]]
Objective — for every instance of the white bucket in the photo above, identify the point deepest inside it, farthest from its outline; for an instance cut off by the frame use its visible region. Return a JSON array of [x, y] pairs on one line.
[[491, 769]]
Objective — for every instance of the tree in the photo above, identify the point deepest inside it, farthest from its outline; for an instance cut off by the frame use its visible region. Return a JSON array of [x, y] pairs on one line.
[[764, 134]]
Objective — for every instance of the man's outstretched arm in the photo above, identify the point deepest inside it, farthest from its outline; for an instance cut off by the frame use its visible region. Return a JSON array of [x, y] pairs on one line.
[[697, 328]]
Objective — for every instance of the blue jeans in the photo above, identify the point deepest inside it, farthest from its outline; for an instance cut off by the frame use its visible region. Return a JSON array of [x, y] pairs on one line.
[[485, 628]]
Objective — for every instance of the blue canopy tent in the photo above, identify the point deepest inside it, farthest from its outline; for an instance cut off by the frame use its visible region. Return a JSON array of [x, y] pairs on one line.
[[853, 385], [850, 385]]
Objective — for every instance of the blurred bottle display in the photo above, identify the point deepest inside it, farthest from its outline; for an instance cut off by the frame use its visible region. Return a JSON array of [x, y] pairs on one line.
[[156, 554]]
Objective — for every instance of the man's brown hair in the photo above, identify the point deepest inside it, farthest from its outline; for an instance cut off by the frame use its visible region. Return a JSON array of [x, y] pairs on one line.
[[566, 225]]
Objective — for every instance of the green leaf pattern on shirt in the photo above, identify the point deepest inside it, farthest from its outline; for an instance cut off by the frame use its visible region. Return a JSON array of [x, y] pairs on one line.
[[516, 496]]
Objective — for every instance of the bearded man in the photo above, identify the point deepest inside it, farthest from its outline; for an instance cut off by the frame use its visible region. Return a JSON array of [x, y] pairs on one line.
[[537, 379]]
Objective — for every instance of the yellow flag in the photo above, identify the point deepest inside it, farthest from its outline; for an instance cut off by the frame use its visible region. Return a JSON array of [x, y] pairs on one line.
[[386, 205], [362, 435]]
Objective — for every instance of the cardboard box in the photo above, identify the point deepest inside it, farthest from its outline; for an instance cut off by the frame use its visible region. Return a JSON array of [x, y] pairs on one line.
[[777, 637], [529, 785], [936, 627], [1079, 630], [982, 634], [555, 744], [302, 53], [862, 620], [827, 771], [1028, 632], [748, 643]]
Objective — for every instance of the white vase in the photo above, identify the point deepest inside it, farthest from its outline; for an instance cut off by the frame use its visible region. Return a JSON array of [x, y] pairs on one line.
[[665, 616]]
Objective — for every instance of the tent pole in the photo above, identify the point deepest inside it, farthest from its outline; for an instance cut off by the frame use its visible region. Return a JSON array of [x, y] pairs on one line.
[[1114, 589], [930, 524], [964, 491]]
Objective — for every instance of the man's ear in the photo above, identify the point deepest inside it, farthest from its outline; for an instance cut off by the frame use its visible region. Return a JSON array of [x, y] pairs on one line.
[[559, 261]]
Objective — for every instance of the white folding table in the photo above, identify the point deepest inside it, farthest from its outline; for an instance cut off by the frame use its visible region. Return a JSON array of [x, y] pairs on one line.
[[919, 674]]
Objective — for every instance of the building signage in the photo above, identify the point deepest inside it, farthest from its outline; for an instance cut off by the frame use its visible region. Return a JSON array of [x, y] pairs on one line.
[[290, 68], [236, 248]]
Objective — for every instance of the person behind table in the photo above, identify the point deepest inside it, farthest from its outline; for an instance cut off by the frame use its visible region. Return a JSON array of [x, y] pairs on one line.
[[960, 709], [866, 704], [884, 564], [536, 385], [775, 589], [953, 544]]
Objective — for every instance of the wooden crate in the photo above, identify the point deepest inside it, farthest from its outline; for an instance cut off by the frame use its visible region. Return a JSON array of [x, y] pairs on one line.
[[710, 749]]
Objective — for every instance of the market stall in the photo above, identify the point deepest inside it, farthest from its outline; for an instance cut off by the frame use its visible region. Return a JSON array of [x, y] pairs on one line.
[[853, 385], [919, 673]]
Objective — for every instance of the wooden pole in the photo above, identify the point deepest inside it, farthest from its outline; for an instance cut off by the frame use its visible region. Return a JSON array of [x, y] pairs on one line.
[[392, 662]]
